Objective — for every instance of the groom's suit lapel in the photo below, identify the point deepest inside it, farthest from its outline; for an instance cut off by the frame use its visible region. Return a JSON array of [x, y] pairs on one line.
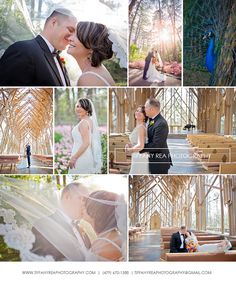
[[63, 68], [152, 127], [49, 57]]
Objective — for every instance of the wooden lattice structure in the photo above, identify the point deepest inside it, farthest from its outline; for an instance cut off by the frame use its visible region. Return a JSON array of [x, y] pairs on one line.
[[210, 110], [26, 117], [185, 200], [216, 110], [178, 106]]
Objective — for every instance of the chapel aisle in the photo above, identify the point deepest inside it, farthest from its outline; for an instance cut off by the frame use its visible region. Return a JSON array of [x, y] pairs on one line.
[[145, 246], [182, 158]]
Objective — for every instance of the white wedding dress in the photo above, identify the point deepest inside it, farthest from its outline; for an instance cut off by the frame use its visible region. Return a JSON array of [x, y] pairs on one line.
[[153, 75], [139, 162], [212, 248], [85, 163]]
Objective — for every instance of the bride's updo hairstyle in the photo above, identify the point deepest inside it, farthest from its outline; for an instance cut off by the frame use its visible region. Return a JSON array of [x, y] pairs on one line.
[[102, 214], [142, 107], [86, 105], [95, 36]]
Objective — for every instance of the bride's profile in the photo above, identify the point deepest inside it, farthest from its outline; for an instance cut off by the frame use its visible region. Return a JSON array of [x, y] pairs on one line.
[[90, 46], [138, 137], [86, 157], [152, 74], [103, 214]]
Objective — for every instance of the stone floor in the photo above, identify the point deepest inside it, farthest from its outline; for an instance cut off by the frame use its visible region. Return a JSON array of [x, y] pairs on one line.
[[136, 79], [145, 247], [182, 158], [37, 167]]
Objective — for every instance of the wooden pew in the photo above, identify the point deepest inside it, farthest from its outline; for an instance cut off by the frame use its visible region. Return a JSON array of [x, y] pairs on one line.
[[227, 168], [201, 256], [118, 158], [134, 232], [46, 159], [215, 159], [11, 160]]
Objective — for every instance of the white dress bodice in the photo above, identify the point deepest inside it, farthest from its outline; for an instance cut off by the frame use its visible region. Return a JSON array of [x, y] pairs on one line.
[[85, 163], [98, 76], [139, 162]]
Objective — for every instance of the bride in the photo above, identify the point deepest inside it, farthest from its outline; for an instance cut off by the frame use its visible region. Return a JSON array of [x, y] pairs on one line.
[[138, 137], [86, 157], [152, 74], [90, 46], [192, 245], [103, 213]]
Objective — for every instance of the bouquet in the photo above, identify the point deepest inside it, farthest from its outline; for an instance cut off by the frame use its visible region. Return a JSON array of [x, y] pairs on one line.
[[191, 246]]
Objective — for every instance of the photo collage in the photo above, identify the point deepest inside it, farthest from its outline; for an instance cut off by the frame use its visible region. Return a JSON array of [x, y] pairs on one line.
[[118, 131]]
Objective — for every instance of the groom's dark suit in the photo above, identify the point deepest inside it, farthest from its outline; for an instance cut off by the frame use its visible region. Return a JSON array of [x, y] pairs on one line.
[[30, 63], [147, 63], [28, 154], [159, 155], [42, 246], [175, 243]]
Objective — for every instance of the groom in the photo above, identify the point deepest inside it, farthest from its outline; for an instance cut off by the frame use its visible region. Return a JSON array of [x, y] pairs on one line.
[[36, 62], [28, 154], [147, 63], [57, 235], [159, 155], [177, 242]]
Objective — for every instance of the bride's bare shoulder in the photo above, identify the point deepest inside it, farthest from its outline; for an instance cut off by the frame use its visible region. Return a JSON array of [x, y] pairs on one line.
[[90, 79]]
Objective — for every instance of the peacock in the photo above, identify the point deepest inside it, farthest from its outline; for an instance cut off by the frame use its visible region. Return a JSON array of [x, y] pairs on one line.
[[210, 55]]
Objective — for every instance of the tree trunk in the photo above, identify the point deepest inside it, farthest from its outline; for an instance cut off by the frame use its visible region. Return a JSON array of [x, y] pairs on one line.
[[32, 9], [131, 6], [40, 8], [132, 22], [137, 30]]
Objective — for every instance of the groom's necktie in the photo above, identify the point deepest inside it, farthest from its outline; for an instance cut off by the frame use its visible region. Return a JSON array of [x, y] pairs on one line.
[[56, 53], [59, 65], [81, 234]]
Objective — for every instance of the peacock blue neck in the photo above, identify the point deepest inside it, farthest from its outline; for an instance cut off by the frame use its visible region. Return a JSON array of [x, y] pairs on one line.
[[211, 56]]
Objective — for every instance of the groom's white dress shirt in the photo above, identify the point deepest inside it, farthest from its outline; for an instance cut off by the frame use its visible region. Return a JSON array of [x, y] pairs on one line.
[[182, 240], [51, 48], [68, 220]]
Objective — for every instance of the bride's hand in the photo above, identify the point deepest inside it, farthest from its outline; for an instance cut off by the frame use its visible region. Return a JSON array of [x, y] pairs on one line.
[[72, 162]]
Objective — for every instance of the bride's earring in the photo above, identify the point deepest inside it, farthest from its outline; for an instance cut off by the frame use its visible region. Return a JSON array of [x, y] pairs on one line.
[[89, 56]]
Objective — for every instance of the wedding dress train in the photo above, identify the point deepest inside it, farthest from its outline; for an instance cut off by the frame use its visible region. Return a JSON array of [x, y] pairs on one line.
[[153, 75], [224, 246]]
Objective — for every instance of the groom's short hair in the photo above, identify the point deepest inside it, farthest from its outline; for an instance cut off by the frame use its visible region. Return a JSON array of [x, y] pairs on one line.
[[60, 12], [154, 103]]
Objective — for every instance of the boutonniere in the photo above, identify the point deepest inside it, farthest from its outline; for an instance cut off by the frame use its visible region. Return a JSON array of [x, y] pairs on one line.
[[62, 59], [151, 123]]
